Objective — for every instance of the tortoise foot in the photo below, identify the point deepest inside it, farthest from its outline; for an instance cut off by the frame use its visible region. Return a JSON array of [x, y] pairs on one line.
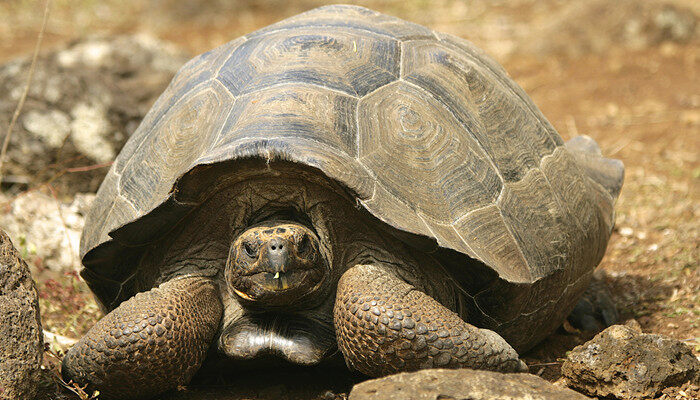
[[595, 310], [150, 344], [384, 325]]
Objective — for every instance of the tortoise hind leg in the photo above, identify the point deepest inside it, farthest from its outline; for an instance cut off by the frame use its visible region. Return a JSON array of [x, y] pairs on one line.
[[596, 309], [385, 325], [151, 343]]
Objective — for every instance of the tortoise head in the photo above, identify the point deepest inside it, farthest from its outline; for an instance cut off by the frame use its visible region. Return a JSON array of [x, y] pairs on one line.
[[276, 263]]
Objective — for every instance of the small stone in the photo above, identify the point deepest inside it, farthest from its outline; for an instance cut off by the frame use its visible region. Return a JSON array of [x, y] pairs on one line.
[[621, 362], [52, 126], [626, 231], [460, 384], [90, 131], [48, 228]]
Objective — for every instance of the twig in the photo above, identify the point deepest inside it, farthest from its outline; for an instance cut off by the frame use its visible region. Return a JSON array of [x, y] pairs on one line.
[[45, 185], [72, 170], [544, 364], [22, 98], [78, 390], [89, 167], [65, 226], [619, 147]]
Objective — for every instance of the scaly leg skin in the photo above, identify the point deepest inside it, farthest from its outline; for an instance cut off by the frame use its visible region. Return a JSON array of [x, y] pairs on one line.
[[151, 343], [385, 325]]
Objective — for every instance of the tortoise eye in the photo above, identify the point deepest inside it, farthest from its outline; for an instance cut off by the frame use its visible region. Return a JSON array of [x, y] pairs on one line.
[[249, 250], [304, 245]]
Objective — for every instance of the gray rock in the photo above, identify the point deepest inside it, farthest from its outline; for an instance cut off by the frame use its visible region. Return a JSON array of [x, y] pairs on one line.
[[21, 339], [469, 384], [624, 363], [46, 230], [84, 102]]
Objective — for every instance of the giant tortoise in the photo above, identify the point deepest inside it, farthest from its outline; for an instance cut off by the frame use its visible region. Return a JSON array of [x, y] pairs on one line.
[[340, 180]]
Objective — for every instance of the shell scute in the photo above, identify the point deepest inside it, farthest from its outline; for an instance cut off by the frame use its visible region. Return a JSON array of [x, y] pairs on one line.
[[191, 76], [501, 76], [351, 17], [533, 216], [294, 111], [488, 235], [307, 55], [187, 130], [448, 172]]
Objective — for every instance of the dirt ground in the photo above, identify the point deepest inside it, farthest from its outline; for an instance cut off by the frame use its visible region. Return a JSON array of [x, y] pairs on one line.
[[625, 74]]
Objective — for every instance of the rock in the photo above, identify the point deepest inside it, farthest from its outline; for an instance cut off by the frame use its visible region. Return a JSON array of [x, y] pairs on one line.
[[634, 324], [84, 102], [21, 340], [470, 384], [624, 363], [687, 391], [46, 230]]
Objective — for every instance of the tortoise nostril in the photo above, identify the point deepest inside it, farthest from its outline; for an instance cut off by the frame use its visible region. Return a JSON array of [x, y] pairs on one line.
[[276, 245], [278, 256]]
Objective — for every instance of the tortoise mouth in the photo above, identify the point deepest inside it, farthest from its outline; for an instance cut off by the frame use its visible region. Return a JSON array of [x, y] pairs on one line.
[[277, 288], [278, 281]]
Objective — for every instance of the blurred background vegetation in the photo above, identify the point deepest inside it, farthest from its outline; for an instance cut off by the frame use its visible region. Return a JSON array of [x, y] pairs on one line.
[[502, 27]]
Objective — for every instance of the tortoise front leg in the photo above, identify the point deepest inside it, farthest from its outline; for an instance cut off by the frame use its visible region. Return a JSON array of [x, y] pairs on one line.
[[385, 325], [150, 344]]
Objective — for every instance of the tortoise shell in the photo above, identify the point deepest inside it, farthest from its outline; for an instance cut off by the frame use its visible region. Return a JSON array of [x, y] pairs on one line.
[[422, 129]]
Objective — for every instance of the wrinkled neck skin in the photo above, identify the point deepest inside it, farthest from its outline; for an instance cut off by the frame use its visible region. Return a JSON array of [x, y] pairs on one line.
[[300, 331]]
